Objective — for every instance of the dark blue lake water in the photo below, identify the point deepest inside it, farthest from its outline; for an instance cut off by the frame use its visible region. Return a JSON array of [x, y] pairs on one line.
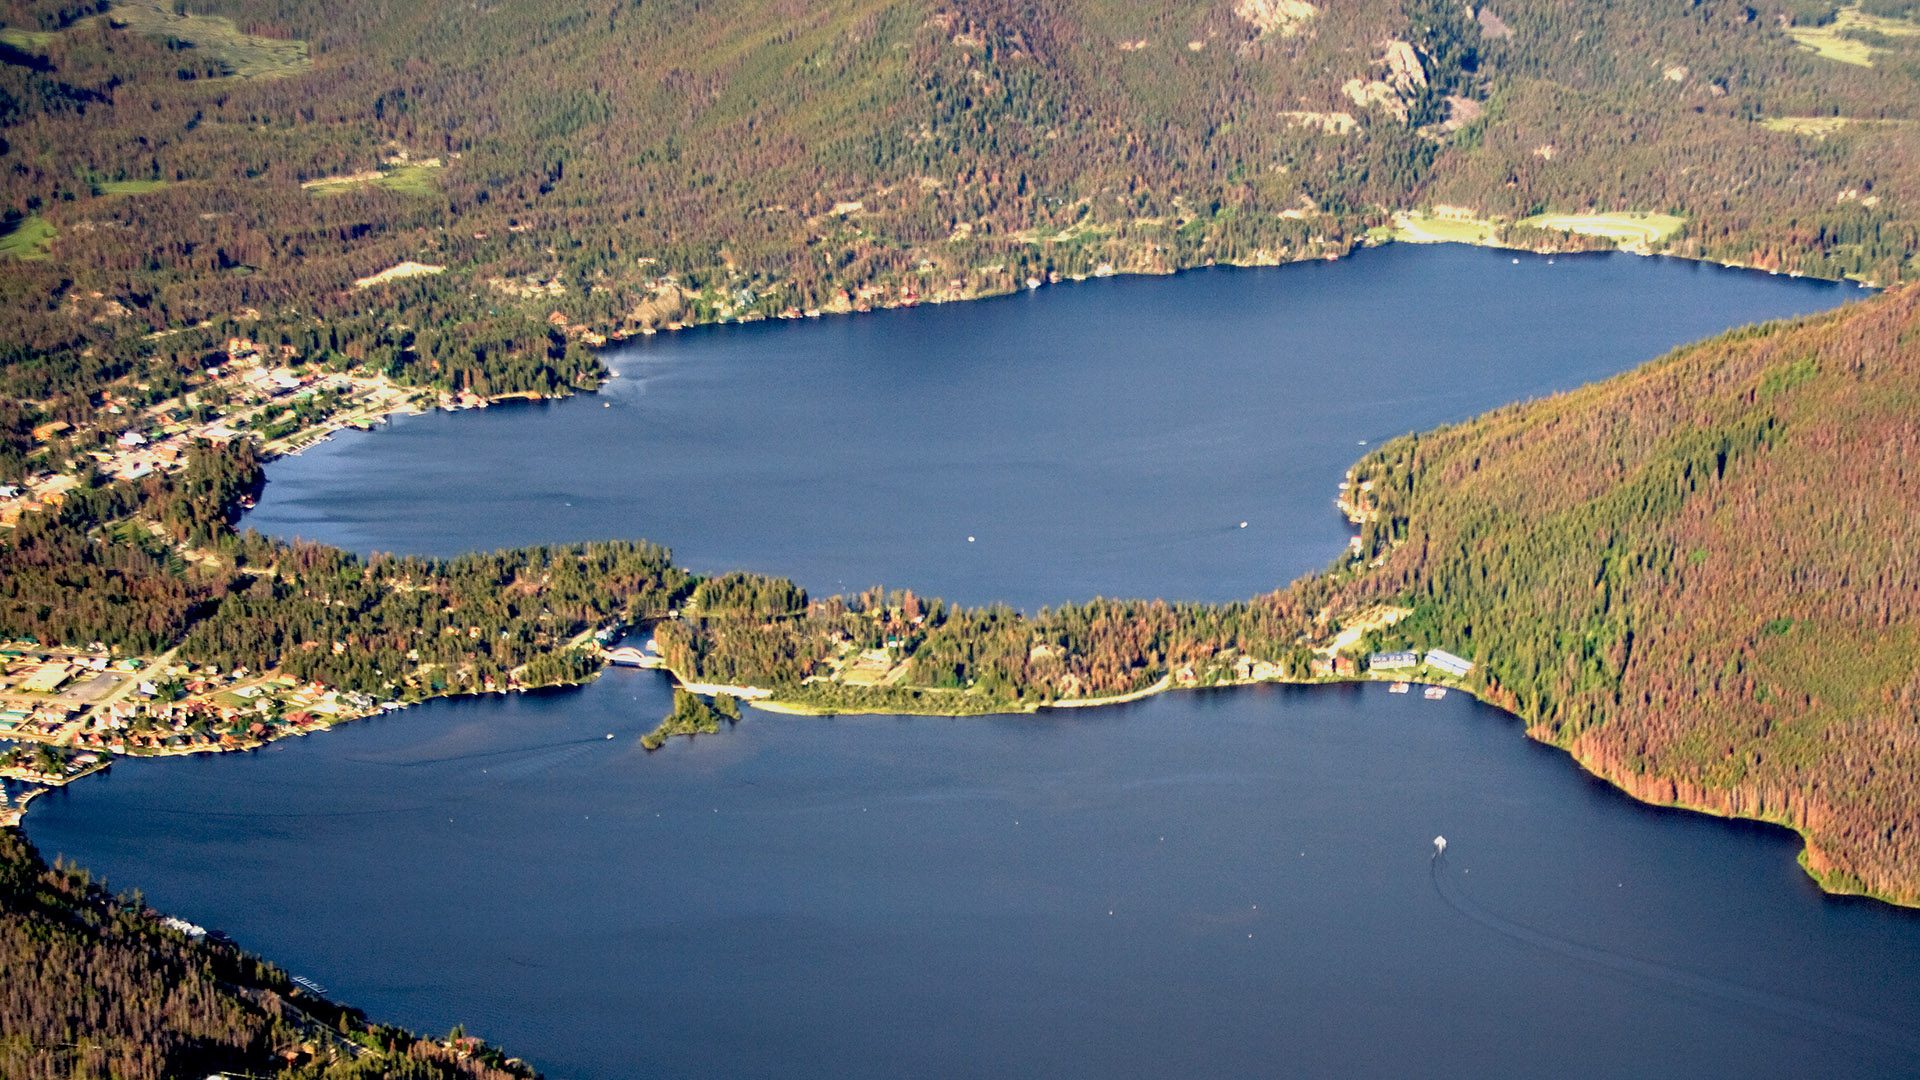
[[1234, 884], [1100, 438]]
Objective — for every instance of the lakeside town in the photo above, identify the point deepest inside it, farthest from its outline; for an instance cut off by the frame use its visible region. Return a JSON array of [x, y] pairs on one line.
[[68, 712], [267, 393]]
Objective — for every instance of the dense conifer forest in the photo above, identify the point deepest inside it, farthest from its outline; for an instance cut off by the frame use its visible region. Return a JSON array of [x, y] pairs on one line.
[[1699, 577]]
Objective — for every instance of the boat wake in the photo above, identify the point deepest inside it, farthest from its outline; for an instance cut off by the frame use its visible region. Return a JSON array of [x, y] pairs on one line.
[[1794, 1008]]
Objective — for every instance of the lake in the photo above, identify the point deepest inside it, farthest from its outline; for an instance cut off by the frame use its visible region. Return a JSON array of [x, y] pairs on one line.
[[1221, 884], [1099, 438], [1224, 884]]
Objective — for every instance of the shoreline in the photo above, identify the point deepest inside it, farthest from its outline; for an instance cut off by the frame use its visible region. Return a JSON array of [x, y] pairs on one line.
[[1359, 242], [1829, 882], [413, 402], [767, 699]]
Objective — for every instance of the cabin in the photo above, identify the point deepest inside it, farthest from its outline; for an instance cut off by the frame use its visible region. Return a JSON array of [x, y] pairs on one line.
[[1449, 663], [1393, 661]]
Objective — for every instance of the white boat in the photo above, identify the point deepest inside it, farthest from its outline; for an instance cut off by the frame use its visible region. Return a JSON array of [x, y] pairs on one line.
[[1435, 693], [1398, 688]]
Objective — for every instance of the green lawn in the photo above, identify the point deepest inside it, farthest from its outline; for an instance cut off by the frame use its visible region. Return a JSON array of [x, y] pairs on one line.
[[405, 179], [27, 40], [1817, 126], [127, 187], [409, 179], [1629, 226], [1427, 229], [242, 55], [1831, 41], [31, 239]]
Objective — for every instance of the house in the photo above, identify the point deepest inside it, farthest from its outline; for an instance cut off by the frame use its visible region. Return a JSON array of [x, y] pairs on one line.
[[1449, 663], [48, 679], [1393, 661], [1345, 665]]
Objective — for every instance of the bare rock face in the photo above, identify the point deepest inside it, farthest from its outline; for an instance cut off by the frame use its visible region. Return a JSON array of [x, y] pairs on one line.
[[1462, 111], [1283, 17], [1403, 68], [1491, 26], [1404, 80], [1376, 95]]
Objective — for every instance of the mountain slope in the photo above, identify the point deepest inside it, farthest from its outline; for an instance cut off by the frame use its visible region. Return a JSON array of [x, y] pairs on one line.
[[1702, 578]]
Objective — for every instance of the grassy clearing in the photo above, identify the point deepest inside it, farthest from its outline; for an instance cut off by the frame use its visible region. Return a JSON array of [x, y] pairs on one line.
[[240, 55], [27, 40], [31, 239], [405, 179], [1817, 126], [409, 179], [1628, 227], [1080, 230], [1832, 41], [128, 187], [1427, 229]]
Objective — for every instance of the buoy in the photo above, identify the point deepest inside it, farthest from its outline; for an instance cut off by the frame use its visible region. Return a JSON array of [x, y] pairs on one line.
[[969, 539]]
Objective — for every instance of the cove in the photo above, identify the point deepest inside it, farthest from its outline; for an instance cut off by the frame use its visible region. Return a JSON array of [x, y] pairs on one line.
[[1099, 438]]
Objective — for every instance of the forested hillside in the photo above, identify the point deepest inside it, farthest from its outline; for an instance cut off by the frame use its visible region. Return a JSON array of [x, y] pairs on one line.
[[98, 987], [1702, 578], [234, 167]]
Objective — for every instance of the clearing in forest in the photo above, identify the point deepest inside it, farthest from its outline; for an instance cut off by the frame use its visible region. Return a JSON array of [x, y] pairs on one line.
[[27, 40], [240, 55], [1630, 228], [1848, 37], [32, 238], [415, 179], [1818, 126], [127, 187], [1418, 228]]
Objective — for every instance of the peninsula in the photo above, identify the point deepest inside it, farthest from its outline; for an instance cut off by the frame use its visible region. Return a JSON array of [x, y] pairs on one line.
[[1576, 552]]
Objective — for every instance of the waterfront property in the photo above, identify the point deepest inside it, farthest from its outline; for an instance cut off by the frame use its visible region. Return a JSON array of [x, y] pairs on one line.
[[1449, 663], [628, 656], [1393, 661]]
